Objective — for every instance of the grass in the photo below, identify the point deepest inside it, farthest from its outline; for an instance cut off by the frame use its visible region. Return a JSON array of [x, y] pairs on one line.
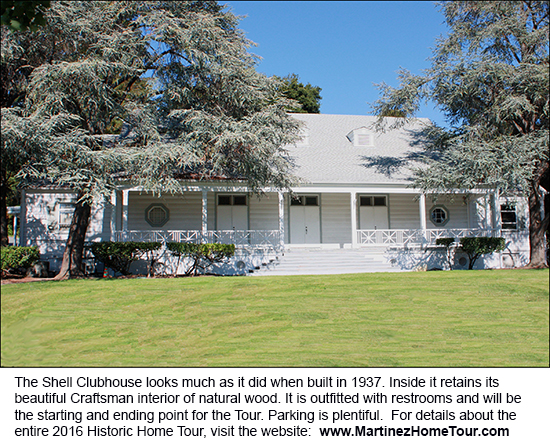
[[459, 318]]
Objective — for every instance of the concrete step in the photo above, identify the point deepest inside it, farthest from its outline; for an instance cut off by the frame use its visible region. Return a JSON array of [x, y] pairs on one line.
[[326, 261]]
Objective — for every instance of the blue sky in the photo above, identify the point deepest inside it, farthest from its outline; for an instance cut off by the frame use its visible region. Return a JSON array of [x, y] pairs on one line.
[[343, 47]]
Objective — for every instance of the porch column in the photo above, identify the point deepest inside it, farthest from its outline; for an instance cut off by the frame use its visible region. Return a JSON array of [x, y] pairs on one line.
[[488, 211], [422, 210], [15, 230], [353, 205], [497, 220], [125, 195], [204, 216], [281, 220], [113, 215]]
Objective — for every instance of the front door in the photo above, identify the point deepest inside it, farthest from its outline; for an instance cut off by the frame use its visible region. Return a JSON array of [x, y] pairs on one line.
[[304, 220], [373, 212]]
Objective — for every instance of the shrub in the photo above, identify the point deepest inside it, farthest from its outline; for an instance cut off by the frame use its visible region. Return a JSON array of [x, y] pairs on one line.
[[18, 258], [475, 247], [116, 255], [120, 255], [202, 255]]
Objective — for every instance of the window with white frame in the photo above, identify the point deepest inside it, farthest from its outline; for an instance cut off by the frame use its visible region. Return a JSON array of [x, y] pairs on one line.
[[372, 201], [439, 215], [232, 199], [305, 200], [508, 216], [157, 215], [65, 212]]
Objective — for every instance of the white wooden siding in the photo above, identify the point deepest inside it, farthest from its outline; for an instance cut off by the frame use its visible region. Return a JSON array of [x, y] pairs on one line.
[[458, 213], [210, 209], [185, 211], [404, 211], [264, 212], [41, 218], [335, 218]]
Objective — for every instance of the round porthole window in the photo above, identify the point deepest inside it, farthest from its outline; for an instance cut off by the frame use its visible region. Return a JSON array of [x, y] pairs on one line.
[[439, 215], [157, 215]]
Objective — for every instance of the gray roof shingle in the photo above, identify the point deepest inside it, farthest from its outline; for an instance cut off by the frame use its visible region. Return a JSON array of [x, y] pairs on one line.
[[330, 158]]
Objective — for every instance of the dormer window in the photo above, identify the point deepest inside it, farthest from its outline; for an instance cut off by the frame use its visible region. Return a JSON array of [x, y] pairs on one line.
[[361, 137]]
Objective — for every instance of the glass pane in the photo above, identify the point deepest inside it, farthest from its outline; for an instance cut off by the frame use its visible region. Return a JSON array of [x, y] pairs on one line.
[[380, 201], [66, 211], [311, 200], [224, 200], [239, 200], [438, 215], [509, 220], [366, 200], [297, 200], [157, 215]]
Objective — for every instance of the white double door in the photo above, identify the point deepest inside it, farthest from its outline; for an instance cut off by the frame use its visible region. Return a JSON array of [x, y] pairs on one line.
[[374, 214], [232, 217], [305, 221]]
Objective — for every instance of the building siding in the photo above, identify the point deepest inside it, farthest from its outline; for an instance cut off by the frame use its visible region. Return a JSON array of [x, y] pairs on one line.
[[335, 218], [185, 211], [404, 211], [264, 212]]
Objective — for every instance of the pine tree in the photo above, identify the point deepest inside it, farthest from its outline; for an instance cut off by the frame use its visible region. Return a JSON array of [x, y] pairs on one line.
[[178, 74], [490, 78]]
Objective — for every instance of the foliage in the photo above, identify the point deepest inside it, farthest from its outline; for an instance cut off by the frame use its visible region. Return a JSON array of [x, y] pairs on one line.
[[175, 77], [23, 15], [18, 258], [117, 256], [202, 255], [120, 255], [444, 241], [474, 247], [308, 97], [490, 76]]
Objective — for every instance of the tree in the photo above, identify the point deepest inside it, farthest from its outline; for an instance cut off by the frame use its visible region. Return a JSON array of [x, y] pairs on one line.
[[209, 113], [15, 69], [490, 78], [23, 15], [307, 96]]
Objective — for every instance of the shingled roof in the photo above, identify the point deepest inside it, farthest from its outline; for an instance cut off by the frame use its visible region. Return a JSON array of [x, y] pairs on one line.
[[327, 154]]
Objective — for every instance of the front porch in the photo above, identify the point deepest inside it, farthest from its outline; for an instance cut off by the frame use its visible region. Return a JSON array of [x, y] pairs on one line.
[[393, 223], [400, 225]]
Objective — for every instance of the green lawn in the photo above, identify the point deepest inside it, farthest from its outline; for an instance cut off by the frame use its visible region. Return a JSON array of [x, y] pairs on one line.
[[459, 318]]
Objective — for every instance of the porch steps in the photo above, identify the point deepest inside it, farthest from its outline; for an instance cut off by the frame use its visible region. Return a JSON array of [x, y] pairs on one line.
[[303, 261]]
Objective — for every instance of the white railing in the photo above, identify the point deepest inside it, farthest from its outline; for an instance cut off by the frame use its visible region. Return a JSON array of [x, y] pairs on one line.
[[236, 237], [406, 237], [433, 234]]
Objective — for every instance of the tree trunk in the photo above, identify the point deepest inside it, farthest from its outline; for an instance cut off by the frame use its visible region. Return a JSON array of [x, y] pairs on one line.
[[71, 265], [537, 228]]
